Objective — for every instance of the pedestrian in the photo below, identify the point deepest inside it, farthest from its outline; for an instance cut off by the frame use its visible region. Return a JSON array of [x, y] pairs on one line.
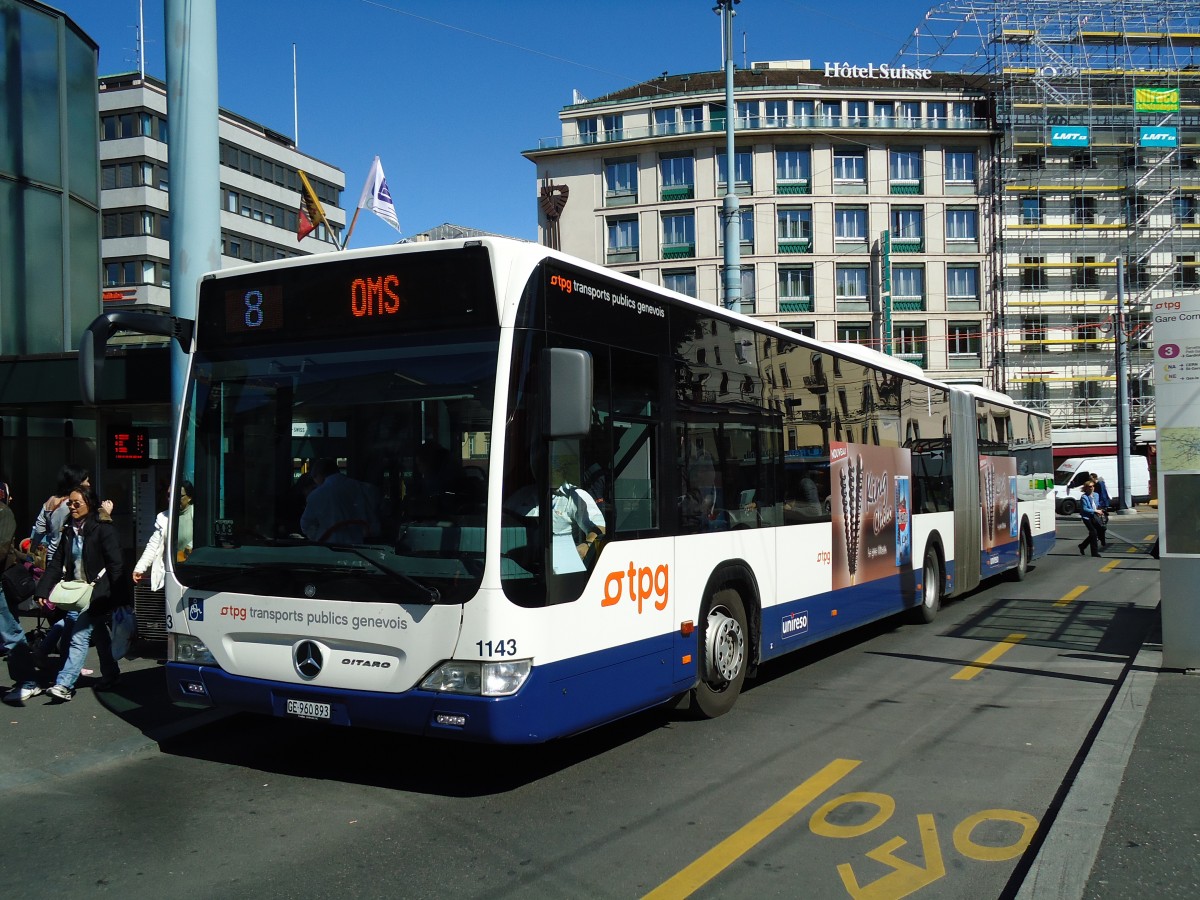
[[12, 634], [1104, 504], [1088, 508], [8, 528], [88, 551], [183, 525], [47, 529], [154, 556]]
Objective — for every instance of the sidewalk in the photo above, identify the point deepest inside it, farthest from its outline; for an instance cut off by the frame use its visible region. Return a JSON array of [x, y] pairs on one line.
[[1130, 823], [45, 740]]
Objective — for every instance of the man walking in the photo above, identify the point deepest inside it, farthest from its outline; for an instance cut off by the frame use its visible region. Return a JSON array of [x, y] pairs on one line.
[[1089, 509]]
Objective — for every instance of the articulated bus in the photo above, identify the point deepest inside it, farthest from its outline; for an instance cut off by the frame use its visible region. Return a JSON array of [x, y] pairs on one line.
[[559, 495]]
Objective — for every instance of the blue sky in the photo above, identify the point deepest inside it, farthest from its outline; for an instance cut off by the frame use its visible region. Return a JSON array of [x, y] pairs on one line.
[[448, 94]]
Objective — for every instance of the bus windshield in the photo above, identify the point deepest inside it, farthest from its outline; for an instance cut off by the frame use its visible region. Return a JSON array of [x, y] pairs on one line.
[[343, 469]]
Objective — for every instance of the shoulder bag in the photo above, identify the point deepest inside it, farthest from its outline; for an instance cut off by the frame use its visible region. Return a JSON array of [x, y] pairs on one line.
[[74, 596]]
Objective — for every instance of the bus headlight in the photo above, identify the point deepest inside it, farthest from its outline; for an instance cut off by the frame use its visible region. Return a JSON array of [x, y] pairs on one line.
[[187, 649], [485, 679]]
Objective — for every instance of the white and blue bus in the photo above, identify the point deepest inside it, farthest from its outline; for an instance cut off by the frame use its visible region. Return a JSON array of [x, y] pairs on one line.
[[552, 495]]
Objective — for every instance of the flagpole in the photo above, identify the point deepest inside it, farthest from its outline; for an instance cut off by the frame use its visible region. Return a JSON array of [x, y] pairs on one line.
[[295, 99], [350, 230]]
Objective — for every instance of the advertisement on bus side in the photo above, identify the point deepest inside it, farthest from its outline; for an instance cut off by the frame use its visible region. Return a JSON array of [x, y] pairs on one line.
[[998, 500], [868, 485]]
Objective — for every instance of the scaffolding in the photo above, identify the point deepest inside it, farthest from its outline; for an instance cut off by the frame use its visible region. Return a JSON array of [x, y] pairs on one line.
[[1097, 109]]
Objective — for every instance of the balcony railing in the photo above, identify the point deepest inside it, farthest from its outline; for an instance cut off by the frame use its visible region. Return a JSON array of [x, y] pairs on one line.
[[905, 185], [678, 251], [794, 186], [773, 123], [908, 245], [795, 245], [679, 192], [796, 305]]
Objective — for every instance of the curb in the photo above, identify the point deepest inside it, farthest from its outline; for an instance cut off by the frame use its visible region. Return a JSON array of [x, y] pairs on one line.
[[1061, 869]]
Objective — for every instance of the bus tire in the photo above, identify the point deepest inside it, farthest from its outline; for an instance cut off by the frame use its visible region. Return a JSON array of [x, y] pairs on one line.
[[724, 655], [931, 588], [1023, 555]]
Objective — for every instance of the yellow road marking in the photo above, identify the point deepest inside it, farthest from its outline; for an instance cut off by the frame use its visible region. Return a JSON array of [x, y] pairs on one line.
[[1070, 595], [715, 861], [906, 877], [966, 673], [1112, 565], [819, 823], [968, 848]]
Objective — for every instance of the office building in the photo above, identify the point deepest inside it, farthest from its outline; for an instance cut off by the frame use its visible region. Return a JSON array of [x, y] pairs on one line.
[[260, 189]]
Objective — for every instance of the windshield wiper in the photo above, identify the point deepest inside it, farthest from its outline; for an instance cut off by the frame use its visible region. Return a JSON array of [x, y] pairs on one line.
[[435, 596]]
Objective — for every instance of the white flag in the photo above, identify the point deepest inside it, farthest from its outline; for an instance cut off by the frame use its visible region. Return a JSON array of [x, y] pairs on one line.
[[377, 198]]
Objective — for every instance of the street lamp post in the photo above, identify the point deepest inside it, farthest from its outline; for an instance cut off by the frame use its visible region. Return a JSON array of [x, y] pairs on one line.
[[1125, 504], [730, 211]]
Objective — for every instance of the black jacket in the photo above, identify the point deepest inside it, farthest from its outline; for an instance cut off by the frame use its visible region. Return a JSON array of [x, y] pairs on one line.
[[100, 551]]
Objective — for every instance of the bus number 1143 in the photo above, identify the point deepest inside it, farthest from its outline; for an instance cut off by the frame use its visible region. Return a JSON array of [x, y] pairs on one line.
[[497, 648]]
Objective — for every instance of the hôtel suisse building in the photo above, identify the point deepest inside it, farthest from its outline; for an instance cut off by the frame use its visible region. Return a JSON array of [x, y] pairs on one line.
[[863, 190]]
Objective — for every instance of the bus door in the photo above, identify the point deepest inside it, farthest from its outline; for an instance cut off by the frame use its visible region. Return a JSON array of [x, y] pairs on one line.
[[968, 526]]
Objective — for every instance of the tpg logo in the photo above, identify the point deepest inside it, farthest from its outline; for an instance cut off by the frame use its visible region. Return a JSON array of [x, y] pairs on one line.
[[794, 624]]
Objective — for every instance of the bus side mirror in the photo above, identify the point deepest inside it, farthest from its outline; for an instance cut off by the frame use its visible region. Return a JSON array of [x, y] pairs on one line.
[[94, 342], [567, 392]]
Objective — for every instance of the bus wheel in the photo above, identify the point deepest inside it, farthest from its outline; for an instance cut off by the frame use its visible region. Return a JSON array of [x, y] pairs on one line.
[[1023, 555], [724, 651], [931, 588]]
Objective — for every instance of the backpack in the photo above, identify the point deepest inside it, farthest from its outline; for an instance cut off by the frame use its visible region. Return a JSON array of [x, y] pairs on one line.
[[19, 583]]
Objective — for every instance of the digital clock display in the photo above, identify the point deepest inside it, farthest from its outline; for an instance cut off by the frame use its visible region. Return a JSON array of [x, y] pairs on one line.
[[128, 447], [325, 296]]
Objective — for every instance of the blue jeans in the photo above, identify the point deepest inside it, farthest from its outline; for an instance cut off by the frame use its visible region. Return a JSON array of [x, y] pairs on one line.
[[86, 626], [57, 636], [11, 632], [20, 657]]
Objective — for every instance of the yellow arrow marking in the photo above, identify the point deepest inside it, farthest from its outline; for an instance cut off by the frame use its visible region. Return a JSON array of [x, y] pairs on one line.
[[906, 877], [966, 673], [720, 857]]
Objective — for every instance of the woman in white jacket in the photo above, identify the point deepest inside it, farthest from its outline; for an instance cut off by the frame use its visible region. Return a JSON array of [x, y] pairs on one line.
[[154, 557]]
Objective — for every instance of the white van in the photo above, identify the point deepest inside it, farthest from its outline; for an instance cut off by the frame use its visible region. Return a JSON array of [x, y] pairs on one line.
[[1070, 476]]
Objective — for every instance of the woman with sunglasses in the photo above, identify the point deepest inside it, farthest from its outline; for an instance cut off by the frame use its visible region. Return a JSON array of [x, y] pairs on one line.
[[88, 551]]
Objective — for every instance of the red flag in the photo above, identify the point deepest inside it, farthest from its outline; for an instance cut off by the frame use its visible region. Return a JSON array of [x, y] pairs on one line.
[[306, 226]]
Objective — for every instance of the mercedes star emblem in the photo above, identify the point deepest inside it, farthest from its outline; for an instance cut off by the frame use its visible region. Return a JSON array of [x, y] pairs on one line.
[[308, 658]]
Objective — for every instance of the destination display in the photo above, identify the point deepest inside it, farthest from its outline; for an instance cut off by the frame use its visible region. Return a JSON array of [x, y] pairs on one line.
[[388, 294]]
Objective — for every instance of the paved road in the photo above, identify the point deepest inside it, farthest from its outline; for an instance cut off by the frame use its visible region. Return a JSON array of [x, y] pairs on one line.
[[900, 761]]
